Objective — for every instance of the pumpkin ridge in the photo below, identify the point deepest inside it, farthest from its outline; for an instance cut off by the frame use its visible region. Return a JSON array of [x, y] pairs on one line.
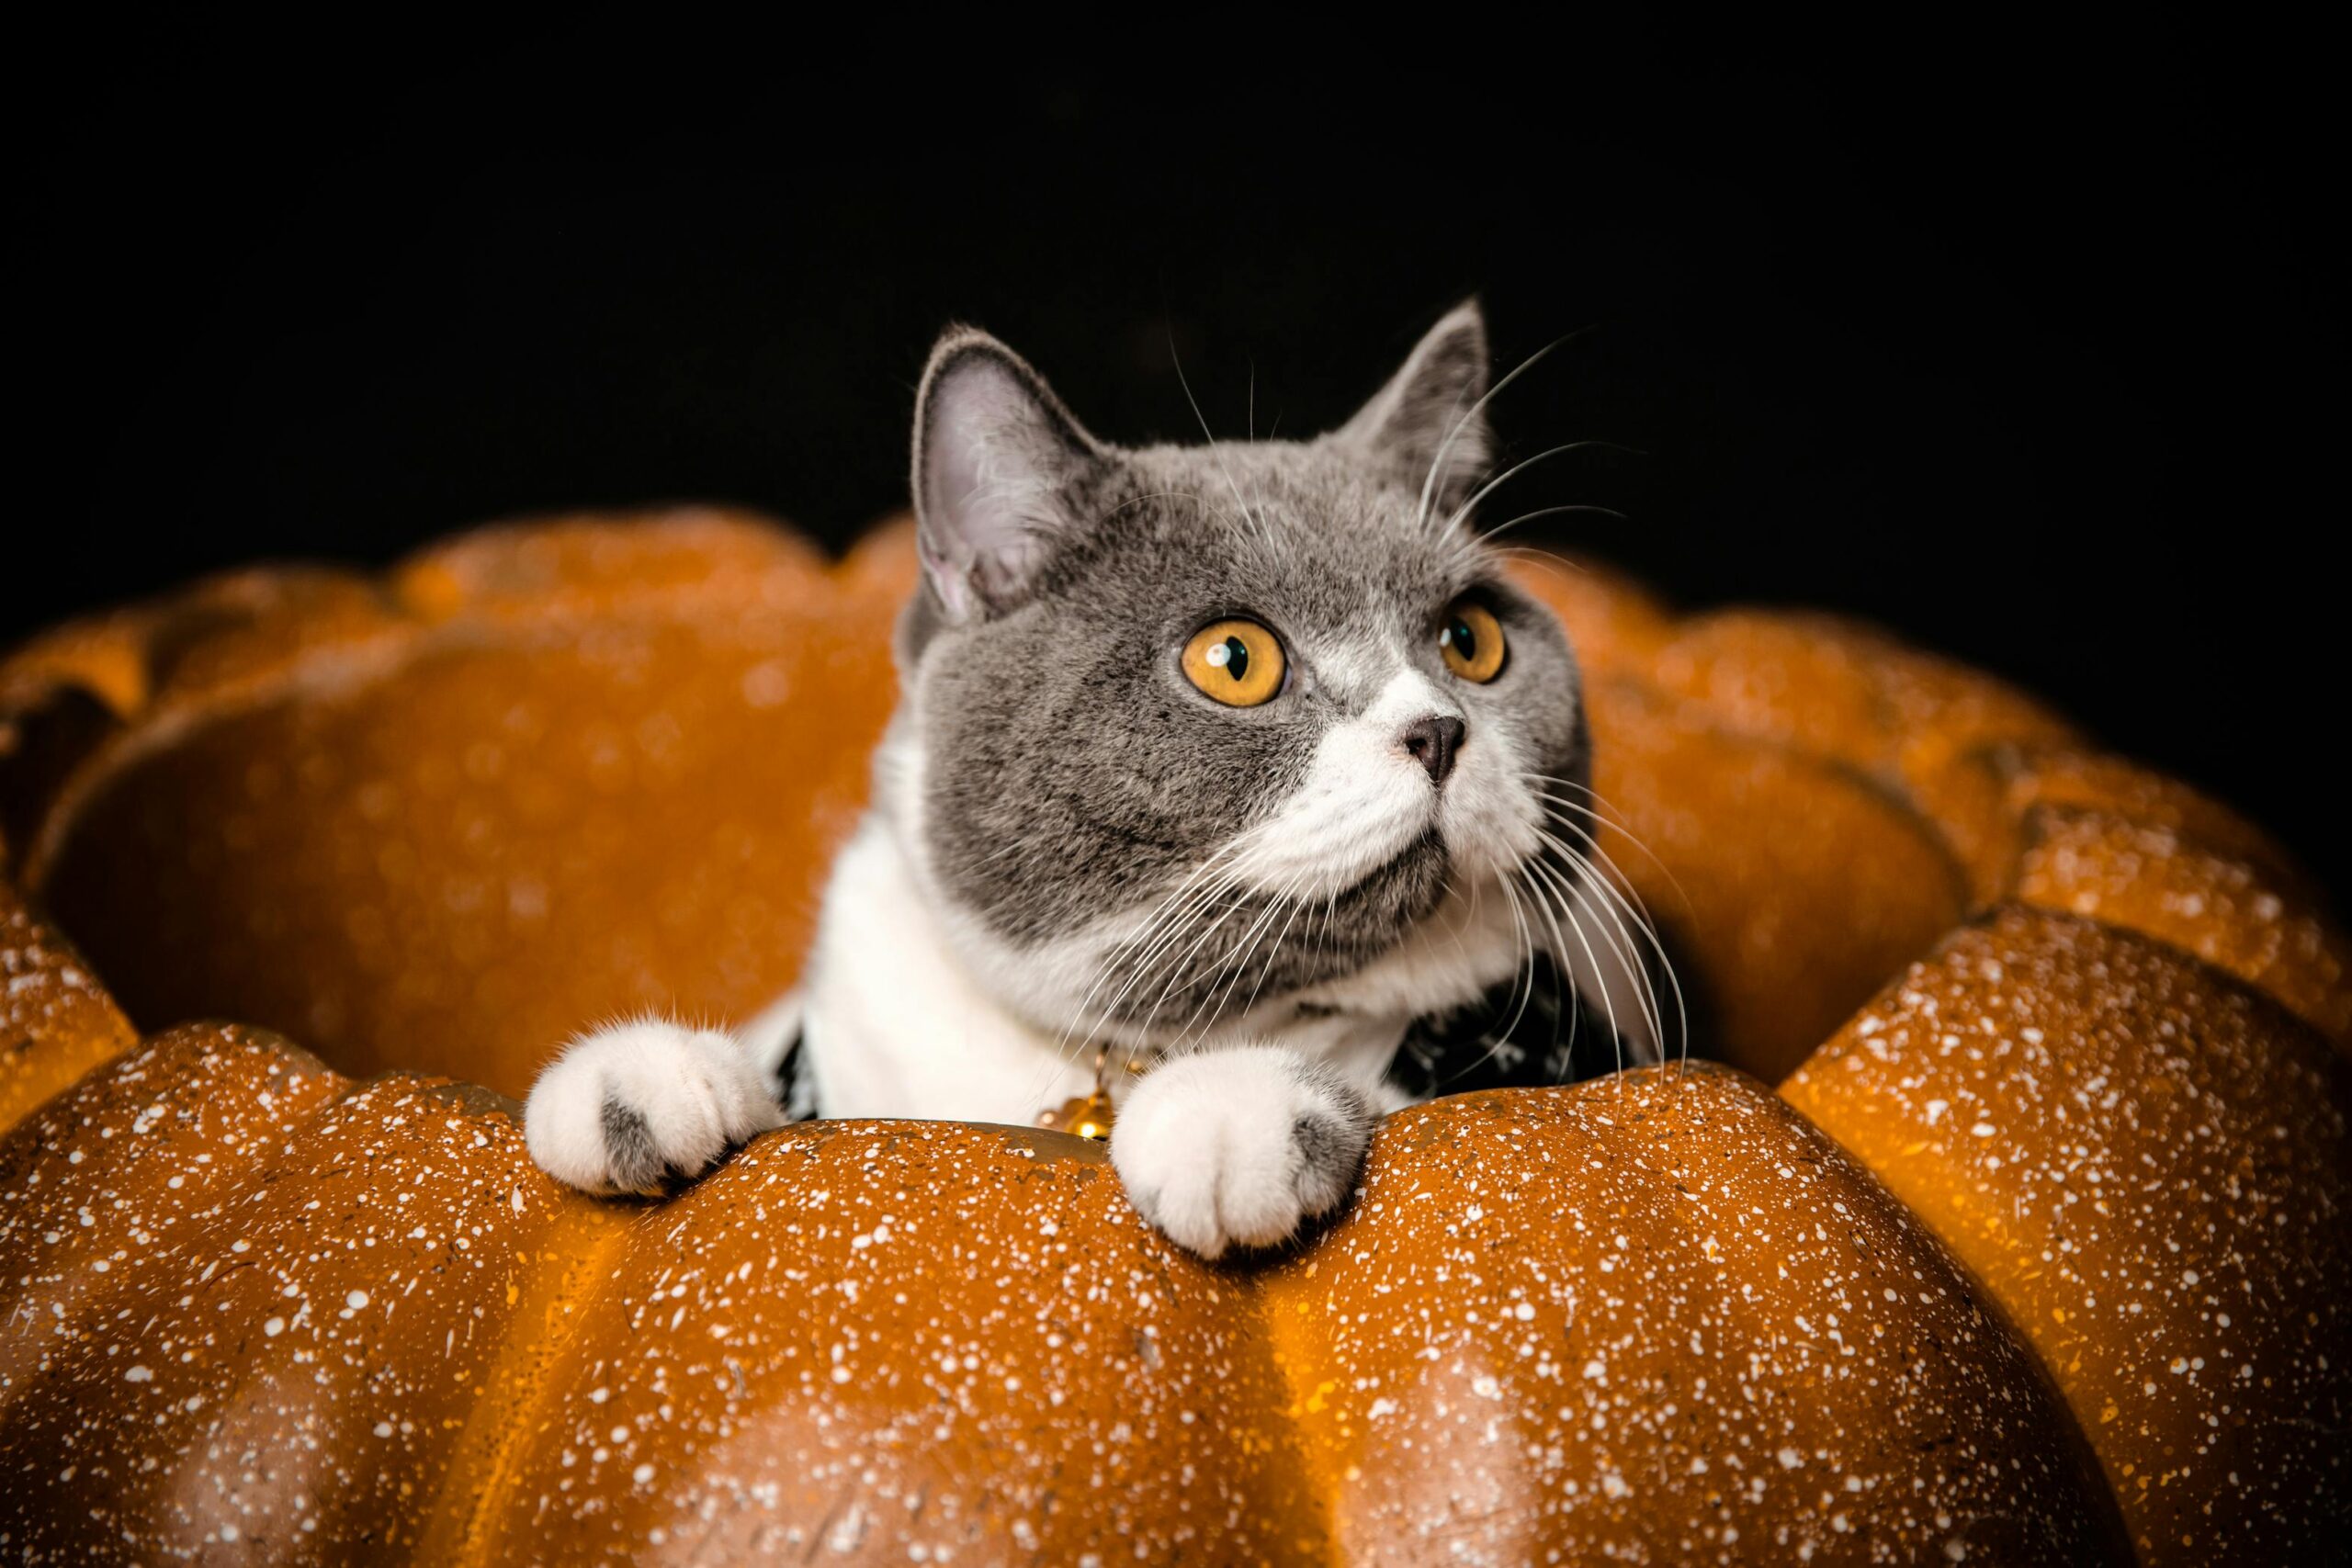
[[1885, 785], [44, 1150], [243, 639], [2223, 1102], [1578, 1349], [461, 1527], [2161, 882], [518, 1378], [58, 1023]]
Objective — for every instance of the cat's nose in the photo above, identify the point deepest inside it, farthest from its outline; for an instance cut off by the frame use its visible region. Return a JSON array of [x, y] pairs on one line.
[[1433, 742]]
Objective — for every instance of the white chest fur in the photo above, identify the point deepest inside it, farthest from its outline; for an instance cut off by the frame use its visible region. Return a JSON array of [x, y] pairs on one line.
[[895, 1026], [895, 1023]]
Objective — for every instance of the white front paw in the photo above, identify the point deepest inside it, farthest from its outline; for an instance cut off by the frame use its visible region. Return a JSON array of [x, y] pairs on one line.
[[628, 1108], [1237, 1147]]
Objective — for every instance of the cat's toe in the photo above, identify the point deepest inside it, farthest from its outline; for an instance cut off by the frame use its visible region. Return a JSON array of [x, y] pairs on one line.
[[632, 1108], [1239, 1147]]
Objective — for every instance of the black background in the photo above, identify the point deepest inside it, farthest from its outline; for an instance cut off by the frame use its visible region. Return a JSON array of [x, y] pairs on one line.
[[2024, 345]]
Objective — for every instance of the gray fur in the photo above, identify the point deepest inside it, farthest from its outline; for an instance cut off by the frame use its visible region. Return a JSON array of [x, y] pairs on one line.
[[1071, 770], [1330, 1147], [634, 1157]]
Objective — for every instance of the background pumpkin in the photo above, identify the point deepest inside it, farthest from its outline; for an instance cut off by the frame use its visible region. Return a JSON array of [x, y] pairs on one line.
[[2039, 1258]]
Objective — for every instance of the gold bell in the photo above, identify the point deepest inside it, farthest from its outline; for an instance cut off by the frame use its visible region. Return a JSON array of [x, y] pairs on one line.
[[1085, 1115]]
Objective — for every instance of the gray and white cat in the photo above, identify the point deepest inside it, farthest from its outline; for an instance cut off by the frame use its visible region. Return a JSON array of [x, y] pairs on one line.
[[1244, 762]]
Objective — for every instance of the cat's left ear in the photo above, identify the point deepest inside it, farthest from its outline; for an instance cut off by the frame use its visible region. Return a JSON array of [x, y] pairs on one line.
[[995, 453], [1427, 424]]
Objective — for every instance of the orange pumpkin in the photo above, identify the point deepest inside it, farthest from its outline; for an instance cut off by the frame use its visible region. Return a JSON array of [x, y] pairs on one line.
[[2039, 1258]]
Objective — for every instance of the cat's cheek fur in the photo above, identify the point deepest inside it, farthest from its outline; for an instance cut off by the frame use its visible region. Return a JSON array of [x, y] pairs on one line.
[[1238, 1146], [1362, 802], [628, 1108]]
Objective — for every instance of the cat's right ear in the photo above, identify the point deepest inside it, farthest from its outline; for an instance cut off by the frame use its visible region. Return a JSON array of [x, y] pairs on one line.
[[1428, 425], [995, 452]]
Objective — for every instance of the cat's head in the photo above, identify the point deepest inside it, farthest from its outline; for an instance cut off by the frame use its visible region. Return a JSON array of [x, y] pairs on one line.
[[1191, 731]]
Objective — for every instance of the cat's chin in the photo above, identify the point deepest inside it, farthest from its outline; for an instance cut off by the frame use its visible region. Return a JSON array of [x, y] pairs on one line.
[[1474, 937], [1409, 885]]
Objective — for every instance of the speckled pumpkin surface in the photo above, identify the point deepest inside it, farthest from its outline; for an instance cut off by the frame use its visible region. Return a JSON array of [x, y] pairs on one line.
[[2037, 1254]]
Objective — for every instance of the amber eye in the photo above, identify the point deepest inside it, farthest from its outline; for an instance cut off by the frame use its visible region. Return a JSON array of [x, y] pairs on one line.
[[1472, 641], [1238, 663]]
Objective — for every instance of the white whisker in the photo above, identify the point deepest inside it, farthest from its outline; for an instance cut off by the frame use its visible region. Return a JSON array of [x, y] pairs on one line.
[[1613, 936], [1516, 468], [1421, 513]]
